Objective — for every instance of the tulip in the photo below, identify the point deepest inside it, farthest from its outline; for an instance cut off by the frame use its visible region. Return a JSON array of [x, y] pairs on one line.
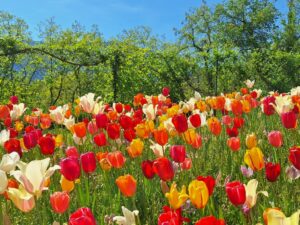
[[23, 200], [274, 216], [136, 148], [87, 102], [254, 158], [177, 153], [289, 119], [234, 143], [163, 168], [126, 122], [198, 193], [210, 183], [12, 183], [214, 126], [4, 182], [210, 220], [101, 120], [251, 195], [92, 127], [147, 168], [4, 112], [238, 122], [116, 159], [197, 142], [70, 168], [195, 120], [236, 107], [161, 136], [66, 185], [172, 217], [128, 218], [72, 152], [82, 216], [267, 105], [294, 156], [226, 120], [113, 131], [30, 140], [251, 141], [60, 201], [180, 123], [9, 161], [129, 134], [272, 171], [47, 145], [127, 185], [236, 192], [80, 129], [13, 145], [176, 199], [100, 139], [275, 139], [232, 132], [187, 164], [88, 162], [34, 184], [165, 91]]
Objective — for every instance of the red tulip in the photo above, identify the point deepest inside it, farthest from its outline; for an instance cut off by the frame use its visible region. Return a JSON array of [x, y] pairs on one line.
[[236, 193], [30, 140], [289, 119], [100, 139], [80, 129], [226, 120], [88, 162], [82, 216], [187, 164], [165, 91], [72, 152], [177, 153], [163, 168], [275, 138], [238, 122], [147, 168], [116, 159], [268, 108], [12, 132], [126, 122], [234, 143], [210, 220], [113, 131], [47, 145], [60, 201], [161, 136], [195, 120], [92, 127], [129, 134], [180, 123], [101, 120], [232, 132], [272, 171], [171, 217], [4, 112], [70, 168], [7, 122], [210, 183], [119, 107], [294, 156], [13, 145], [14, 99], [236, 107]]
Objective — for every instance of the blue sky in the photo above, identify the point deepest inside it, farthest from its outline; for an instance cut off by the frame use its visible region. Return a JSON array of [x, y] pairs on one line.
[[112, 16]]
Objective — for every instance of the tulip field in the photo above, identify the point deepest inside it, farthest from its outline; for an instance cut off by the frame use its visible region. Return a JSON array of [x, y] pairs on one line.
[[209, 160]]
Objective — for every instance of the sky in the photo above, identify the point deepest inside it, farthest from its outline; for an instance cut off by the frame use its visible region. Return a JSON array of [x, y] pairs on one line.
[[111, 16]]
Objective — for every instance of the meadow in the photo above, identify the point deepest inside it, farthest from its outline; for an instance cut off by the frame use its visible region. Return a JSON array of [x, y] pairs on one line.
[[227, 159]]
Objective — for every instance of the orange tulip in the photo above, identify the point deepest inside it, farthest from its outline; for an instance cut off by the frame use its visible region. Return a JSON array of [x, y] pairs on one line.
[[136, 148], [127, 185], [161, 136], [214, 125], [80, 129]]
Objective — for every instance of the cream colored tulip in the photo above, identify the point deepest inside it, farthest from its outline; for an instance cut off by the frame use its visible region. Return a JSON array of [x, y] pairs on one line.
[[251, 194], [21, 198], [129, 217]]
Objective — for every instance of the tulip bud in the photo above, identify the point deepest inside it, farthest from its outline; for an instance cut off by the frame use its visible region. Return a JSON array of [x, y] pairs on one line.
[[236, 193], [177, 153], [60, 201], [70, 168], [88, 162], [275, 139]]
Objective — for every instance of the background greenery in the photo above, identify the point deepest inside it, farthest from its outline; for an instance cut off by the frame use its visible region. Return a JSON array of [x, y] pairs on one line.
[[215, 50]]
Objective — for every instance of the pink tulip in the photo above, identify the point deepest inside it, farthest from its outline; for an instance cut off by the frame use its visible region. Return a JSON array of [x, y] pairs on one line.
[[275, 138]]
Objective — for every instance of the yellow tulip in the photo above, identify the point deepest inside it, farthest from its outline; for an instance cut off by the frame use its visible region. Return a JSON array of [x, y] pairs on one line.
[[58, 140], [251, 194], [274, 216], [19, 126], [66, 185], [190, 136], [198, 193], [176, 199], [136, 148], [254, 158], [251, 141]]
